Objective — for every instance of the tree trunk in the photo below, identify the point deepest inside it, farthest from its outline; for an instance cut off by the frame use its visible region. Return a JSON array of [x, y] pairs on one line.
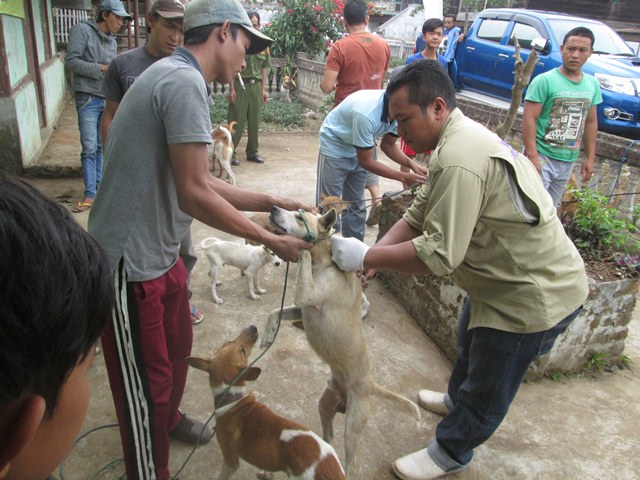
[[523, 73]]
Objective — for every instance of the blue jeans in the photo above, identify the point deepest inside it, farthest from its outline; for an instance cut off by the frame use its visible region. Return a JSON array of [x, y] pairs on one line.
[[90, 108], [488, 371], [344, 178]]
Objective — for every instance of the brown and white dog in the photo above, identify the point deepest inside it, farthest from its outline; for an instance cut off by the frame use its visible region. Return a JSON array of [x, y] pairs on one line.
[[328, 301], [248, 430], [222, 151]]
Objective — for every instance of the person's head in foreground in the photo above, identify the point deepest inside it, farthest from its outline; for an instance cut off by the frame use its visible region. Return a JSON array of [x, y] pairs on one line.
[[421, 96], [55, 300]]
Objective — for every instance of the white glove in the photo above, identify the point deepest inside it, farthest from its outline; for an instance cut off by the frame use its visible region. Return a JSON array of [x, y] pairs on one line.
[[348, 253]]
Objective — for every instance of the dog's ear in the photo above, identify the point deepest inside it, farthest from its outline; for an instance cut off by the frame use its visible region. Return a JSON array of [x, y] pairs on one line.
[[328, 220], [199, 363], [252, 374]]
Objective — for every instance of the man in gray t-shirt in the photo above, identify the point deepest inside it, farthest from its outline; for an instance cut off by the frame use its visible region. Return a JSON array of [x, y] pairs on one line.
[[156, 180], [164, 35]]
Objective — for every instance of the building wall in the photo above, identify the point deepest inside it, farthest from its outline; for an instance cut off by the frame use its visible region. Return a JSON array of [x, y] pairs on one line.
[[16, 49], [25, 122]]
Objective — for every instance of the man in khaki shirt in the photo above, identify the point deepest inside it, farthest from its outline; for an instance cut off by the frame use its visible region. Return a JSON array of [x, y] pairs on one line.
[[486, 220]]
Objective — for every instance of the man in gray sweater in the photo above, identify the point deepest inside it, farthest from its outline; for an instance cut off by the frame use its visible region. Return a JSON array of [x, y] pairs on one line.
[[92, 45]]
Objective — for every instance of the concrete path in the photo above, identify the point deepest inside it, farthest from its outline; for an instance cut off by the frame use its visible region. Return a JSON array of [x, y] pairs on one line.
[[582, 427]]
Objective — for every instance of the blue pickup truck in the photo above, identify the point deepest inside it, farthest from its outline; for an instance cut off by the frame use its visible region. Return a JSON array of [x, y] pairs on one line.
[[485, 60]]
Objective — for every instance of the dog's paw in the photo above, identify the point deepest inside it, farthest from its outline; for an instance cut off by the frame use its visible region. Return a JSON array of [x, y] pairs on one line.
[[262, 291], [217, 300], [255, 297], [218, 283]]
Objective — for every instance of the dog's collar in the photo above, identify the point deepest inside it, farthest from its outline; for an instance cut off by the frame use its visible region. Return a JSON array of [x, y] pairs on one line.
[[310, 236], [225, 400]]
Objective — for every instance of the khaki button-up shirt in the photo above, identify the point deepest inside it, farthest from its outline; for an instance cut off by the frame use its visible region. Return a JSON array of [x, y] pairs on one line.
[[487, 220]]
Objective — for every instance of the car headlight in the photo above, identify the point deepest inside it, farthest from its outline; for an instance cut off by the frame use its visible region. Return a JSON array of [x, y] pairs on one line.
[[616, 84]]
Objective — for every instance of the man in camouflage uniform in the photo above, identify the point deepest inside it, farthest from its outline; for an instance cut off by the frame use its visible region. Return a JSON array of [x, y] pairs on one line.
[[245, 104]]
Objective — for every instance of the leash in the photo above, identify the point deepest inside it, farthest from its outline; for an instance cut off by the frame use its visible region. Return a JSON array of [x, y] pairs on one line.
[[309, 236], [370, 202]]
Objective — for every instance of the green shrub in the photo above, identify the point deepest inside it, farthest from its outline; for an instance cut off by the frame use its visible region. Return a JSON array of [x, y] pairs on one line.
[[276, 111], [282, 113], [396, 62], [595, 228], [218, 111]]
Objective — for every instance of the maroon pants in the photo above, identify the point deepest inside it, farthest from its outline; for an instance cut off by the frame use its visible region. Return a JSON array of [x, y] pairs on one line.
[[145, 350]]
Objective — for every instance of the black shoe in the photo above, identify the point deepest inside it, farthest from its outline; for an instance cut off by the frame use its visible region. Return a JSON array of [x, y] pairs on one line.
[[191, 431], [256, 159], [234, 160]]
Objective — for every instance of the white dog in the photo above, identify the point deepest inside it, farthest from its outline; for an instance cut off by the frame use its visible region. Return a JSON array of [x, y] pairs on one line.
[[248, 258], [222, 151]]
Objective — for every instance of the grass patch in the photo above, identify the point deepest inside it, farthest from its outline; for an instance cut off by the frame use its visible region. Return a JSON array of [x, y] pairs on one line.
[[276, 111]]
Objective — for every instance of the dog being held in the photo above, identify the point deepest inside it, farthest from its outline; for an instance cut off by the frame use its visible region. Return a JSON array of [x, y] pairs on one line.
[[222, 150], [248, 258], [328, 301], [248, 430], [327, 202]]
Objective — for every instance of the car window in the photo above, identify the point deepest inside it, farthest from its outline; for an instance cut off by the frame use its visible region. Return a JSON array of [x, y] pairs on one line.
[[492, 30], [525, 34], [607, 41]]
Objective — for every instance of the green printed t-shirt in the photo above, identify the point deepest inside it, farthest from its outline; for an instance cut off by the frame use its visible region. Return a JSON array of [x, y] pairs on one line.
[[565, 106]]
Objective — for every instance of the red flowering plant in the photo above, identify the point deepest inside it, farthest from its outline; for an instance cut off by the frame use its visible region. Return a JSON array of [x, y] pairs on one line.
[[305, 26]]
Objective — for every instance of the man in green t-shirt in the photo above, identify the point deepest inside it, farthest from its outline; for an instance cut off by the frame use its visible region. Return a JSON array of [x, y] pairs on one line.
[[560, 114], [245, 103]]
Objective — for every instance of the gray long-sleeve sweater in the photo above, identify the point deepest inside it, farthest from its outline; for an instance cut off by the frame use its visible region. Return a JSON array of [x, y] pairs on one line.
[[89, 47]]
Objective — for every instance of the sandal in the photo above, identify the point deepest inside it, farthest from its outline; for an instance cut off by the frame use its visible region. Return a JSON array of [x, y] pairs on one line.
[[81, 207], [196, 315]]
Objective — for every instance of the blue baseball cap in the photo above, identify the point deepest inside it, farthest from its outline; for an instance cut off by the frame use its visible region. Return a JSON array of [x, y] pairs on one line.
[[199, 13], [116, 7]]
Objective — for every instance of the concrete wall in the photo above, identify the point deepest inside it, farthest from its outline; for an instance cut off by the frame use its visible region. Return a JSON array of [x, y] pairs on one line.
[[403, 26], [21, 135]]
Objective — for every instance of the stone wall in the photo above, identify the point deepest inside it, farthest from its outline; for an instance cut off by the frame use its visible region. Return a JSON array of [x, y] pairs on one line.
[[436, 302]]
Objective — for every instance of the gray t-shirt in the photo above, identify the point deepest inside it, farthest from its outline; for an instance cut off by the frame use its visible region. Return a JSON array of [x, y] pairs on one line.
[[123, 71], [135, 214]]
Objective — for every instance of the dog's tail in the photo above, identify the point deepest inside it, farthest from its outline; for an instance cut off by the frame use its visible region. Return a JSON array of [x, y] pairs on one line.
[[386, 393], [227, 133], [207, 242]]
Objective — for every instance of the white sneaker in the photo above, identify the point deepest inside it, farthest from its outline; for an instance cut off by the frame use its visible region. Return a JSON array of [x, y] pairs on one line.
[[433, 401], [417, 466]]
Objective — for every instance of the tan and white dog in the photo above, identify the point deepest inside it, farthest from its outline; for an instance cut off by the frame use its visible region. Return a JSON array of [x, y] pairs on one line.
[[248, 430], [222, 151], [248, 258], [327, 202], [328, 301], [288, 84]]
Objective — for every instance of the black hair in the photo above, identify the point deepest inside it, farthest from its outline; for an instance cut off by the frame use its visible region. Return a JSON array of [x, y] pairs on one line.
[[199, 35], [254, 14], [355, 12], [580, 32], [431, 24], [56, 296], [102, 15], [426, 80], [450, 15]]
